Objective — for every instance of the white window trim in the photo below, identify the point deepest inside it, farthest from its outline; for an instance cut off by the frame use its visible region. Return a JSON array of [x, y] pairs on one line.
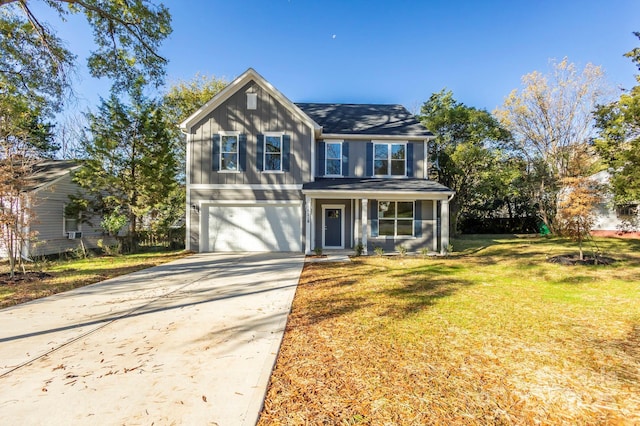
[[395, 220], [237, 135], [264, 152], [326, 157], [389, 144], [65, 232]]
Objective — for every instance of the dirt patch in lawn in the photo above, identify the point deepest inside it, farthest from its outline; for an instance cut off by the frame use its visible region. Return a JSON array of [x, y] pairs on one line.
[[574, 259], [22, 278]]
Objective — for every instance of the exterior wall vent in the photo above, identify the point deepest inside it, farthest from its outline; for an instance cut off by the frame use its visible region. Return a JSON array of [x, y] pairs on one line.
[[252, 100]]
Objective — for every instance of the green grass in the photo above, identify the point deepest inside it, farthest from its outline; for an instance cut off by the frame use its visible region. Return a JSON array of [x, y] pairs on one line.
[[63, 275], [493, 334]]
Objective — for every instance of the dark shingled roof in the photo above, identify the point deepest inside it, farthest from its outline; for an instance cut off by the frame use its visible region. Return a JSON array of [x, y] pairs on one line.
[[365, 119], [46, 171], [375, 185]]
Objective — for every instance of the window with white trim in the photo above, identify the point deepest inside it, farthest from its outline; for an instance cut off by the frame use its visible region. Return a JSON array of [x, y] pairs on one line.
[[273, 152], [69, 223], [395, 218], [229, 151], [333, 159], [390, 159]]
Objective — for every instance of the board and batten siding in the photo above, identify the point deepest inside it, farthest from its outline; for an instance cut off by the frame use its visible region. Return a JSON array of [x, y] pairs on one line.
[[233, 115]]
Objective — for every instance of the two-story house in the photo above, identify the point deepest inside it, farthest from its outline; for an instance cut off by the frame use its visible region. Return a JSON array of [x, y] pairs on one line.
[[267, 174]]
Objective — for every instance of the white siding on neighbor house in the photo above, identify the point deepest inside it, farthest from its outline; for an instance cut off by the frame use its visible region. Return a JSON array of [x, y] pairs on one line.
[[607, 218]]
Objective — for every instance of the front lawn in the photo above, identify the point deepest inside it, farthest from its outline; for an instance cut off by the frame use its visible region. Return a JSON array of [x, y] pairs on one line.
[[490, 335], [63, 275]]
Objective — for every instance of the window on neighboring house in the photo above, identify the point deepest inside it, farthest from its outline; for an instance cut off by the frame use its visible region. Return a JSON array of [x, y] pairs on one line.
[[627, 209], [273, 152], [228, 151], [390, 159], [395, 218], [70, 223], [333, 159]]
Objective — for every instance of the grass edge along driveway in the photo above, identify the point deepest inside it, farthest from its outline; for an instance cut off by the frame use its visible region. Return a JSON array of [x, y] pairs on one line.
[[491, 335], [64, 275]]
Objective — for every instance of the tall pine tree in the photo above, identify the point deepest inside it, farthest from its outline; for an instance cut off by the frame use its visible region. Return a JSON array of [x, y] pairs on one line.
[[131, 166]]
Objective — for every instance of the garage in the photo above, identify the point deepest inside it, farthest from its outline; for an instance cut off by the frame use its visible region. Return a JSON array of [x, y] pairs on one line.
[[255, 227]]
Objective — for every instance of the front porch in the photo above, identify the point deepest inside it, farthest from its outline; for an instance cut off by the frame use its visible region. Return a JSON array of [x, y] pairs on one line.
[[340, 214]]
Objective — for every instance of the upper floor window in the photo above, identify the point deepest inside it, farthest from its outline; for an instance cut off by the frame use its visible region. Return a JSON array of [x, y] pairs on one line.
[[390, 159], [273, 152], [333, 159], [229, 151], [395, 218]]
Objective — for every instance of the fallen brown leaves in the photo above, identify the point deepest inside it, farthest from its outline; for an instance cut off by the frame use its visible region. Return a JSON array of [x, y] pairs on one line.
[[359, 349]]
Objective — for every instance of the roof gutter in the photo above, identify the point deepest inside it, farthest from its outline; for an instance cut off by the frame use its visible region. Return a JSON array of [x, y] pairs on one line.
[[363, 137], [349, 194]]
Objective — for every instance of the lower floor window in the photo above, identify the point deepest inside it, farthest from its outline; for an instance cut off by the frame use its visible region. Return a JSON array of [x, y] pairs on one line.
[[70, 220], [627, 209], [395, 218]]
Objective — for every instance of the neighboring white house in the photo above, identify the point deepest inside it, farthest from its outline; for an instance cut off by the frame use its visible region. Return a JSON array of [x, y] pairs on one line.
[[49, 188], [612, 219]]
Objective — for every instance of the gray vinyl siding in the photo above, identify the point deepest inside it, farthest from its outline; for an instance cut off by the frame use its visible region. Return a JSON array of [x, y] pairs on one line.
[[427, 224], [358, 158], [48, 221], [232, 115], [348, 218]]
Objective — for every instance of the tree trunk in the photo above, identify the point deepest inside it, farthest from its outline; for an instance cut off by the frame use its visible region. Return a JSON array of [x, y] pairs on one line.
[[580, 248]]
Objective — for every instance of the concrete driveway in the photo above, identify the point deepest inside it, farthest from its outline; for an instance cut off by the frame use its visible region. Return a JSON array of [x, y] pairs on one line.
[[189, 342]]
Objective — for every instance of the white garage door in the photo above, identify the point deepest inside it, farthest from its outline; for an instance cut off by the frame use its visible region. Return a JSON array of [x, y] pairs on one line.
[[253, 227]]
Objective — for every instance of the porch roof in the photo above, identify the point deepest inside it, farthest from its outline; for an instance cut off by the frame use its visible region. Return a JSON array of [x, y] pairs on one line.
[[377, 186]]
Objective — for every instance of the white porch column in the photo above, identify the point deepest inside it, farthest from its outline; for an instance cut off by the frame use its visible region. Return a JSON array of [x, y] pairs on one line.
[[356, 226], [308, 219], [444, 226], [365, 209]]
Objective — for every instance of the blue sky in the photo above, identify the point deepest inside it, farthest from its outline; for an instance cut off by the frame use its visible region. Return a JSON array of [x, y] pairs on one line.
[[386, 51]]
